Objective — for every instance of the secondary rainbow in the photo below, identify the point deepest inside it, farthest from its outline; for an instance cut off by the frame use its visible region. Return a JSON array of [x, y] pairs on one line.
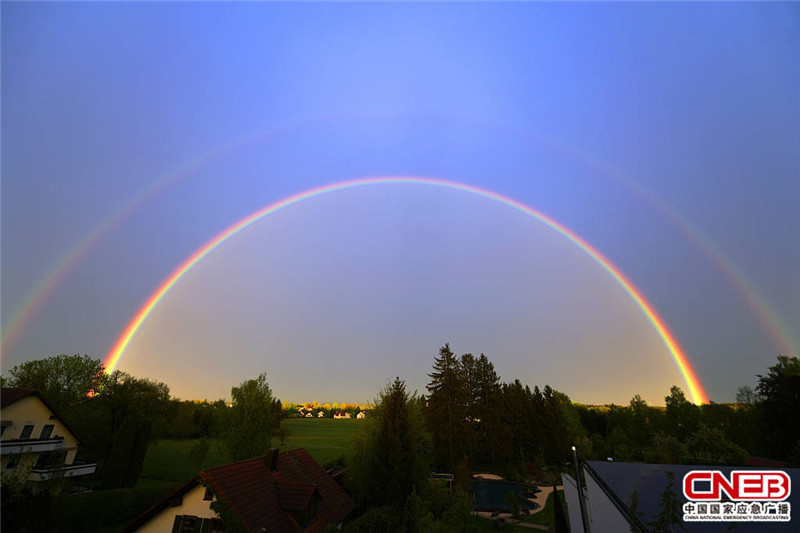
[[692, 382], [777, 329]]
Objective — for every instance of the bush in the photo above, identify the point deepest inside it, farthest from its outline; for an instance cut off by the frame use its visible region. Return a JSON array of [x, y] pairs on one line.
[[375, 520], [91, 511], [513, 504]]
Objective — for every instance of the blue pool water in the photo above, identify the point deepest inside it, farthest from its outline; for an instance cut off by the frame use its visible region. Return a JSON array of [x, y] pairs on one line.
[[490, 495]]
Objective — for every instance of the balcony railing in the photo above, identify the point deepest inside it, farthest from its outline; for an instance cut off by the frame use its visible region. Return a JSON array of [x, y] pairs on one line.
[[78, 468], [30, 445]]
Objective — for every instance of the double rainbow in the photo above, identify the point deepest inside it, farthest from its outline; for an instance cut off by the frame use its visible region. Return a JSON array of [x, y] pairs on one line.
[[692, 382]]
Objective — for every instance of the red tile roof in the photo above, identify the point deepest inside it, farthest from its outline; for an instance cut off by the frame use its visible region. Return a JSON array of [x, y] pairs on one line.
[[261, 497], [295, 496]]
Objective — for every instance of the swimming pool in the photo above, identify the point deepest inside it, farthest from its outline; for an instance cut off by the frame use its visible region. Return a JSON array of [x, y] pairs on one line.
[[490, 495]]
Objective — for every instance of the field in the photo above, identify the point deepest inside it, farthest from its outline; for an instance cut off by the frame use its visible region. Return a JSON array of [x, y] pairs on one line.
[[168, 463], [326, 439]]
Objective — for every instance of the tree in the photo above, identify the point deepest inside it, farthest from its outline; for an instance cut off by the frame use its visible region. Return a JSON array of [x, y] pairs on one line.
[[668, 449], [682, 416], [390, 455], [397, 447], [65, 380], [486, 394], [446, 408], [249, 423], [779, 391], [124, 462], [746, 395], [640, 424], [709, 445], [120, 395]]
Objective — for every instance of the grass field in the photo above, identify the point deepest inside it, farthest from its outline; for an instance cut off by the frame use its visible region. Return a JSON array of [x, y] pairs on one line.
[[326, 439]]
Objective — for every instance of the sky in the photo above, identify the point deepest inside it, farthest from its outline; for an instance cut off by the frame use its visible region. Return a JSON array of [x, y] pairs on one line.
[[661, 135]]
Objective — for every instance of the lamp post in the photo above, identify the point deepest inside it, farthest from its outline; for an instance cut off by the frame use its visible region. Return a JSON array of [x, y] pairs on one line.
[[581, 499]]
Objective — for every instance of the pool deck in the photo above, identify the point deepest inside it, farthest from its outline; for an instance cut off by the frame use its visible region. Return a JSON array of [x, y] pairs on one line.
[[540, 498]]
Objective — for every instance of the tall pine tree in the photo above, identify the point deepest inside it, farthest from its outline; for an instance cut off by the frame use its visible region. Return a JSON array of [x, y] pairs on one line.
[[447, 408]]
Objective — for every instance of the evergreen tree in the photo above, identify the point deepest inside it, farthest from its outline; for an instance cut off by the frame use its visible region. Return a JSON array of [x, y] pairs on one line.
[[487, 407], [447, 408], [390, 455], [396, 448]]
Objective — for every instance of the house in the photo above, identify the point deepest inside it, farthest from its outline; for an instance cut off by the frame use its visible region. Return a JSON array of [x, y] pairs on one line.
[[361, 414], [309, 415], [341, 415], [611, 485], [321, 414], [281, 492], [35, 442]]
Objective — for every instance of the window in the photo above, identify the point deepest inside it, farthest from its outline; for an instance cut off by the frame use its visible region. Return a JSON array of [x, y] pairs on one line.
[[186, 524], [208, 496], [47, 430], [49, 460], [27, 430], [12, 462], [194, 524]]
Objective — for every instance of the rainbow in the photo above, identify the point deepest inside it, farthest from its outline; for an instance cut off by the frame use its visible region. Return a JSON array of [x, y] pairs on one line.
[[18, 321], [690, 377]]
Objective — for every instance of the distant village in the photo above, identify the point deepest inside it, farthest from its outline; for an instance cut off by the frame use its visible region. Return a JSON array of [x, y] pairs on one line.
[[326, 410]]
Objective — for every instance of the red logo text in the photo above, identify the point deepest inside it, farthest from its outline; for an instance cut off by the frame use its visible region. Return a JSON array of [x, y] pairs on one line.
[[751, 485]]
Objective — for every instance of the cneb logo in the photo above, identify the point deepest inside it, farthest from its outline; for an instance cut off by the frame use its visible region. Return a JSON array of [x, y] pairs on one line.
[[750, 485]]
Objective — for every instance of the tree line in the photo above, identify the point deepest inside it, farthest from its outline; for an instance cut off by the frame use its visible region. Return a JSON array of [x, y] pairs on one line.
[[118, 415], [469, 421]]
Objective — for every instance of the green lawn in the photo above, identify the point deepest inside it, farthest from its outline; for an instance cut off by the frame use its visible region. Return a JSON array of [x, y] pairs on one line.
[[545, 517], [325, 439], [168, 460]]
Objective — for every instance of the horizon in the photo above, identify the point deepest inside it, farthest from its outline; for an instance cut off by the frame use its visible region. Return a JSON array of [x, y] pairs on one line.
[[653, 145]]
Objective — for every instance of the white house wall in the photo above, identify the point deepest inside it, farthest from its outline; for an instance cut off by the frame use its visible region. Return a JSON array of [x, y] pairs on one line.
[[604, 515], [193, 504], [573, 504], [31, 410]]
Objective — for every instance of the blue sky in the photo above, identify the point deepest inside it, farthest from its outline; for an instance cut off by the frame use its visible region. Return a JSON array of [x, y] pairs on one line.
[[608, 117]]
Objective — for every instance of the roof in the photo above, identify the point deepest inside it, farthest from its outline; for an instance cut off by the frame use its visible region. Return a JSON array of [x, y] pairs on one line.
[[619, 480], [11, 395], [760, 461], [263, 498], [143, 518], [295, 496]]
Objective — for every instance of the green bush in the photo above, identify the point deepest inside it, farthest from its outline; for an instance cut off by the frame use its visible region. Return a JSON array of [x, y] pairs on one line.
[[92, 511]]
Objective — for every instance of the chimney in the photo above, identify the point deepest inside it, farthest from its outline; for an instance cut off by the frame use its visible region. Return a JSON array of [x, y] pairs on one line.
[[272, 459]]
